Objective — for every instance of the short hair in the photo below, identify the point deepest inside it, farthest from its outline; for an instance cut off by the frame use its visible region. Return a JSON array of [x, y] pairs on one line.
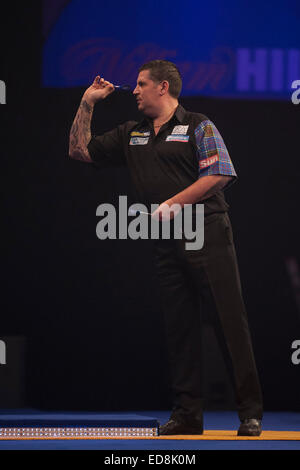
[[164, 70]]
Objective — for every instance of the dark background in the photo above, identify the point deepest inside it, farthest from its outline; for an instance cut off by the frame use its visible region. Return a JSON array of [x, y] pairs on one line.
[[89, 309]]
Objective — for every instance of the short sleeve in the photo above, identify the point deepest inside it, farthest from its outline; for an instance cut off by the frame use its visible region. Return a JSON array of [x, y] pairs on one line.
[[212, 154], [107, 149]]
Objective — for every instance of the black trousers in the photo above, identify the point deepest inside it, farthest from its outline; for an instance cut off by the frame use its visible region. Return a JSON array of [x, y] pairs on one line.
[[184, 277]]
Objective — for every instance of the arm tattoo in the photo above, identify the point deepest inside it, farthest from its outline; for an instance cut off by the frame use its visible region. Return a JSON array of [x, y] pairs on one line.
[[86, 106], [80, 133]]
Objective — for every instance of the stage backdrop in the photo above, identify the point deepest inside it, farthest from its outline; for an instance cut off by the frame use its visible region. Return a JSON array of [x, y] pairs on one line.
[[87, 309], [223, 48]]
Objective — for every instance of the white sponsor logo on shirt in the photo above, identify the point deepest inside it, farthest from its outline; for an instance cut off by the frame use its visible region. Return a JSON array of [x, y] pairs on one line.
[[139, 140], [180, 130], [208, 161], [177, 138]]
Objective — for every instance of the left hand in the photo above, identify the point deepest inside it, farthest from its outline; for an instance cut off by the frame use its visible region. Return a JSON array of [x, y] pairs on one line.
[[163, 212]]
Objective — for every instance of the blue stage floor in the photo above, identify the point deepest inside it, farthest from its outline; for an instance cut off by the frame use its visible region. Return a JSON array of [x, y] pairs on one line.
[[227, 420]]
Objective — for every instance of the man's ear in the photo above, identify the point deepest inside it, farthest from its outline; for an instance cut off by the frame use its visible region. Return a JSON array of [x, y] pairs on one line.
[[164, 87]]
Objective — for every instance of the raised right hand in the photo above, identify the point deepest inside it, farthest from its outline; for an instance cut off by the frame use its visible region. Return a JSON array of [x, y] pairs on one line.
[[99, 90]]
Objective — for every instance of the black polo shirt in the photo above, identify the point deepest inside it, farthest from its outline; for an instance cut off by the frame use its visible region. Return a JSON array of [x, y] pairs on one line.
[[186, 148]]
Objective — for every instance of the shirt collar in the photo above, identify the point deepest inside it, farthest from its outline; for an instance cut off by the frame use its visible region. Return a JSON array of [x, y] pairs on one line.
[[179, 115]]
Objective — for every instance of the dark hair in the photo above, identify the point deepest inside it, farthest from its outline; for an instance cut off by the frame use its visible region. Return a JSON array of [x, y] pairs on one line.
[[164, 70]]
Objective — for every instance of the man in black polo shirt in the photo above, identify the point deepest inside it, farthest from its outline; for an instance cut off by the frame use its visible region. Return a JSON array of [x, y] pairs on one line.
[[178, 157]]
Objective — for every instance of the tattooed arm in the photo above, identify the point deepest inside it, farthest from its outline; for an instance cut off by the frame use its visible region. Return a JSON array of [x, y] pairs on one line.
[[80, 134]]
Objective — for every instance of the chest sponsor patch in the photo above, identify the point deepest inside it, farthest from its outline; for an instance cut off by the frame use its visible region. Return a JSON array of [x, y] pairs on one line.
[[181, 130], [208, 161], [140, 134], [177, 138], [139, 140]]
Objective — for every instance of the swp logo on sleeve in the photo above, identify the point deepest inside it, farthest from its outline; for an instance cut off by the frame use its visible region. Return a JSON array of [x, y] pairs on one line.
[[2, 352], [2, 92]]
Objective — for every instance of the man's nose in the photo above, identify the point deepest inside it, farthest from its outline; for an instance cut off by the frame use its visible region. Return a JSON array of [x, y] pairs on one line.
[[135, 91]]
